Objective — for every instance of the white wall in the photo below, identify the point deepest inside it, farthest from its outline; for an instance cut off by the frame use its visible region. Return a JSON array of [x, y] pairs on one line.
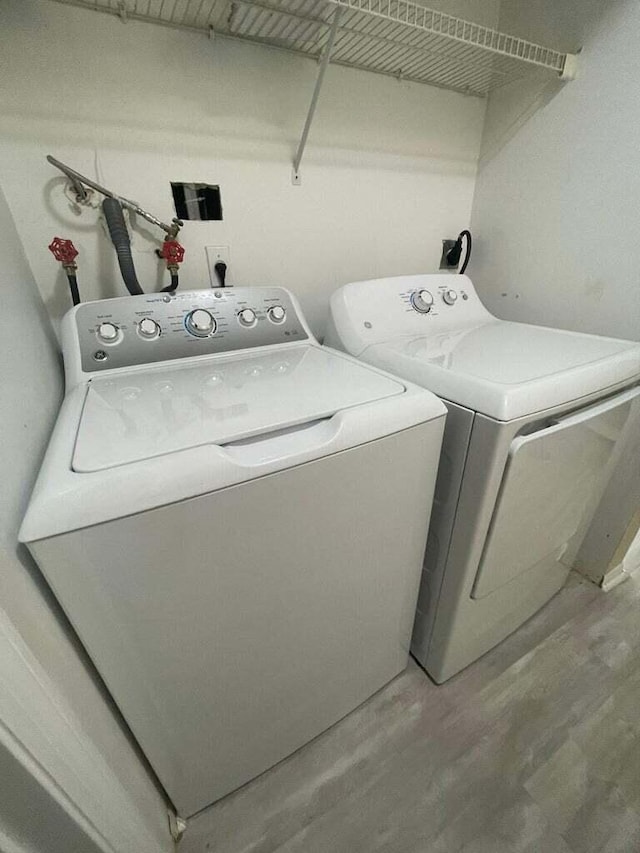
[[559, 24], [30, 393], [556, 206], [555, 209], [389, 171]]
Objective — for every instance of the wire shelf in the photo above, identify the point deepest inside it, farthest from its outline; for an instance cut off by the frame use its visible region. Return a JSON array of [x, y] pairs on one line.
[[395, 37]]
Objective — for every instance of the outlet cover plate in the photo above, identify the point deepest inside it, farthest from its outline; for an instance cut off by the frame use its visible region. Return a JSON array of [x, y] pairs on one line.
[[447, 245], [215, 254]]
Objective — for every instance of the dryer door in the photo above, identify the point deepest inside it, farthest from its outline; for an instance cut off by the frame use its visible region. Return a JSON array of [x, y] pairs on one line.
[[552, 482]]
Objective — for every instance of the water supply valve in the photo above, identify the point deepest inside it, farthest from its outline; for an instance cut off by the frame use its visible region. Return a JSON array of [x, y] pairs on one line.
[[173, 254], [64, 251]]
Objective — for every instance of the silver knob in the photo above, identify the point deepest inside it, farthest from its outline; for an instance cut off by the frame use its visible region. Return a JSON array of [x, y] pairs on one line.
[[108, 332], [449, 296], [200, 323], [276, 314], [148, 328], [422, 301], [247, 317]]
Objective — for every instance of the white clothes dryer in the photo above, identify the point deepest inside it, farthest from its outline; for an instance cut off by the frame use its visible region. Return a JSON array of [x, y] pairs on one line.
[[537, 419], [233, 518]]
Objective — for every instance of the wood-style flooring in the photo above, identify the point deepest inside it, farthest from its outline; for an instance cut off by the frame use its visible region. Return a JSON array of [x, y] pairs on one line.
[[536, 747]]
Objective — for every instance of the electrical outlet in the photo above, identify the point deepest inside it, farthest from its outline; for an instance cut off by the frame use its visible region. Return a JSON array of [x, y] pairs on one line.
[[447, 245], [215, 255]]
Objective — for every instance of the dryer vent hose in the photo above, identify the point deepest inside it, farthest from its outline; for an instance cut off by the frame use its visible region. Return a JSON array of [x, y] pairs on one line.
[[120, 238]]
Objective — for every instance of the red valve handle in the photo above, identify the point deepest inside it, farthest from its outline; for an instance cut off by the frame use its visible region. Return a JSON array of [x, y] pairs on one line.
[[63, 250], [172, 252]]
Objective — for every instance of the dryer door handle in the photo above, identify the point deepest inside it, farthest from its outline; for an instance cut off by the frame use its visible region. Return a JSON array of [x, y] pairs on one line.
[[581, 416]]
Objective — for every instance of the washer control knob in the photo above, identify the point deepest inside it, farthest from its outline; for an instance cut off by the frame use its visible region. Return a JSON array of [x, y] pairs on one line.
[[276, 314], [200, 323], [422, 301], [449, 296], [247, 317], [108, 333], [148, 328]]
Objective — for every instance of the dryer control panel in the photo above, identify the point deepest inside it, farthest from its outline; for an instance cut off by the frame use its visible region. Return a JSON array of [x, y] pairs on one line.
[[372, 312], [134, 330]]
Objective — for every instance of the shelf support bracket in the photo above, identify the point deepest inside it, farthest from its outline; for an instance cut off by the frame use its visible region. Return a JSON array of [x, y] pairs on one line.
[[326, 56]]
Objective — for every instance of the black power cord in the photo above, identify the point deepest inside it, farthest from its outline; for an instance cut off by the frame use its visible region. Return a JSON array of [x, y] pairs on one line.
[[453, 255], [221, 272]]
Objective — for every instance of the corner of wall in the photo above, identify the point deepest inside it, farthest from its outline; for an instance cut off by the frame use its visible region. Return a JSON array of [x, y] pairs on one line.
[[55, 720]]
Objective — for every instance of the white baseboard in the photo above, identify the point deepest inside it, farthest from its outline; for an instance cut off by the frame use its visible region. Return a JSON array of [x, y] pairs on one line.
[[614, 578], [626, 560], [631, 561]]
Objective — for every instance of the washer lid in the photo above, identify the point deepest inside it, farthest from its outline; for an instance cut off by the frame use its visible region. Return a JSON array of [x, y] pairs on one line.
[[149, 413], [509, 370]]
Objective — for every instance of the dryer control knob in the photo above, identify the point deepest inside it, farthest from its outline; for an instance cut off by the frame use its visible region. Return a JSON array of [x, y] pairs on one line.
[[108, 332], [276, 314], [449, 296], [247, 317], [200, 323], [422, 301], [148, 328]]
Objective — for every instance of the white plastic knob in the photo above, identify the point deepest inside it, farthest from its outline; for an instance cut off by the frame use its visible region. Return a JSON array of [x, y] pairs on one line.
[[108, 332], [201, 323], [247, 317], [277, 314], [449, 296], [422, 301], [201, 320], [148, 328]]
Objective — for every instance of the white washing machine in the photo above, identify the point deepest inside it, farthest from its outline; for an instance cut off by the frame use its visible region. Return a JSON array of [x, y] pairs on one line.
[[537, 419], [233, 519]]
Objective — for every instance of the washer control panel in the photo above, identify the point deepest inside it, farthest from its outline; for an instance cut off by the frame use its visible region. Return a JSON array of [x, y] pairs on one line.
[[153, 327]]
